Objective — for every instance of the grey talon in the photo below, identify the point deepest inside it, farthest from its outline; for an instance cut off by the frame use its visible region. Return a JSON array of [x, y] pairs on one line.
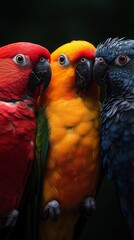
[[12, 218], [52, 210], [88, 206]]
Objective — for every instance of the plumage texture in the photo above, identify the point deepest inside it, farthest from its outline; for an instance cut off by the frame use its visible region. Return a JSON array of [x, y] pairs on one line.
[[72, 167], [117, 120], [18, 109], [33, 206]]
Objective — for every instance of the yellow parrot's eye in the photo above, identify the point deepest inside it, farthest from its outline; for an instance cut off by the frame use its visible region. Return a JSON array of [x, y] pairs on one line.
[[63, 60], [83, 60], [21, 60]]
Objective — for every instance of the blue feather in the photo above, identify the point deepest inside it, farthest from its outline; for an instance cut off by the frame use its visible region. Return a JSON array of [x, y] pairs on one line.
[[117, 120]]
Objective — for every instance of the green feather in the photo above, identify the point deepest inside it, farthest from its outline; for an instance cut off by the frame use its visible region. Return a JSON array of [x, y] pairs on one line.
[[37, 175], [27, 226]]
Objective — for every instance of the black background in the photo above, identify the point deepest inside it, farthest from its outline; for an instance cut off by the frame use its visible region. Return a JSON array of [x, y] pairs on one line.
[[52, 23]]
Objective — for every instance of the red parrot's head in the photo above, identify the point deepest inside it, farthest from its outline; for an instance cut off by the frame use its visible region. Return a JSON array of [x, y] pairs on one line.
[[23, 67]]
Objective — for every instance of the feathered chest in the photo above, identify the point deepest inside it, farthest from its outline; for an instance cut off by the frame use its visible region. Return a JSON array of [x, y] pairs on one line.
[[74, 151], [117, 129], [74, 128], [17, 127], [17, 144], [16, 118], [117, 133]]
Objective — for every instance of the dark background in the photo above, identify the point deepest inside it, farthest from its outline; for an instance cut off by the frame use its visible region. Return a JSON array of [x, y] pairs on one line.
[[52, 23]]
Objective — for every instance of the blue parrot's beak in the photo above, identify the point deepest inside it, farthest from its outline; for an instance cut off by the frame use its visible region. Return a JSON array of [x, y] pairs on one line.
[[100, 69]]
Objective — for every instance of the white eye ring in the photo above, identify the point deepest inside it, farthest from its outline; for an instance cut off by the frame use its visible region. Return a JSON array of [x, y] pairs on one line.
[[63, 60], [20, 60], [83, 60], [121, 60]]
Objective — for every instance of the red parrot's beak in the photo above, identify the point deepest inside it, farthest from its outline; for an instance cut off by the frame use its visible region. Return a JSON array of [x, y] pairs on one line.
[[40, 74]]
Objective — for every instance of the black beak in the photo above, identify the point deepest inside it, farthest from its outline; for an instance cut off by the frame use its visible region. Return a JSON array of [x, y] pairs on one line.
[[40, 74], [84, 73], [100, 69]]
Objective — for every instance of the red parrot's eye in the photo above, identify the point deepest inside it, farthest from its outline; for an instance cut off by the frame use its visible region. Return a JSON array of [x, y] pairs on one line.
[[122, 60], [21, 60], [42, 59]]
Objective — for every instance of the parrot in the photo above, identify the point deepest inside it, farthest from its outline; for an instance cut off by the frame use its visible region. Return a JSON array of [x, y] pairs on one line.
[[114, 68], [25, 73], [72, 166]]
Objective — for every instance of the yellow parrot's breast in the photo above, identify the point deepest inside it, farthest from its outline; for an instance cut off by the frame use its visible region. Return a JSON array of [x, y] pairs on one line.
[[73, 162]]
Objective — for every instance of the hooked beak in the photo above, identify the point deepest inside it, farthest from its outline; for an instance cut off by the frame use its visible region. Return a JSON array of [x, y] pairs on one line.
[[84, 73], [100, 69], [40, 74]]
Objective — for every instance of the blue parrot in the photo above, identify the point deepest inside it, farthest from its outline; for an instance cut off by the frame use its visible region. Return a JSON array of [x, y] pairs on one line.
[[114, 66]]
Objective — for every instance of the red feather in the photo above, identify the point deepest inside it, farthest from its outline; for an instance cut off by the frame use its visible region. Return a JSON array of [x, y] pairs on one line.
[[17, 122], [17, 138]]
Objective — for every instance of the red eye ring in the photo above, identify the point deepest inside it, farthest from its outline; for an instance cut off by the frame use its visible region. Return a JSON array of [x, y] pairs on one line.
[[122, 59]]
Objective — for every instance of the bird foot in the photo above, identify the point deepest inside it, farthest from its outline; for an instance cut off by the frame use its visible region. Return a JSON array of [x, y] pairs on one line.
[[88, 206], [12, 217], [52, 210]]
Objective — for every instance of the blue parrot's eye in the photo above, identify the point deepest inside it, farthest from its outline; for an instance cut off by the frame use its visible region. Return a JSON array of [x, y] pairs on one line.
[[63, 60], [20, 60], [122, 60]]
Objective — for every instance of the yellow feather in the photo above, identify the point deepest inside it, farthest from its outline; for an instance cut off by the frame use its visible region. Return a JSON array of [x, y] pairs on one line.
[[73, 163]]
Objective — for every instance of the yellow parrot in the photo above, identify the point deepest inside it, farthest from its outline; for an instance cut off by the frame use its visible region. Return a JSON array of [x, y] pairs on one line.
[[72, 168]]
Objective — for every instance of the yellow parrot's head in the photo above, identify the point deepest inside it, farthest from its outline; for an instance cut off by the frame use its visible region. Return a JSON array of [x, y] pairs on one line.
[[72, 71]]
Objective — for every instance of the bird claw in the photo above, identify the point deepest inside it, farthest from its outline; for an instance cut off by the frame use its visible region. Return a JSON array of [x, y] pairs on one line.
[[52, 210], [12, 217], [88, 206]]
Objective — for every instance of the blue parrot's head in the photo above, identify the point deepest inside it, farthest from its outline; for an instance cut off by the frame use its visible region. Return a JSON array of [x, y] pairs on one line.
[[114, 64]]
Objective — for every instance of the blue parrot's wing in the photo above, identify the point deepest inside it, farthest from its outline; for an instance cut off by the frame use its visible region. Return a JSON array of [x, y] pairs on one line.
[[117, 130]]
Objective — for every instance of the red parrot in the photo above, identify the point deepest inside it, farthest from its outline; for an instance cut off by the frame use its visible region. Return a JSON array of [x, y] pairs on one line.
[[24, 72], [72, 168]]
